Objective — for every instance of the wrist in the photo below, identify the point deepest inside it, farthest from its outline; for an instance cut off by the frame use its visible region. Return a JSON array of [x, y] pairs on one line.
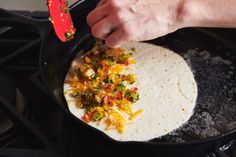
[[188, 13], [208, 13]]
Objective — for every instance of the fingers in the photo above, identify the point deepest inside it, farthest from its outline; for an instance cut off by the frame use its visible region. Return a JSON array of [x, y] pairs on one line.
[[96, 15], [103, 28], [121, 35], [109, 22], [103, 9], [107, 25]]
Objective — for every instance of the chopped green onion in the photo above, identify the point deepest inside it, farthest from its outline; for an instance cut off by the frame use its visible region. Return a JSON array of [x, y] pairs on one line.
[[66, 3], [66, 10], [133, 49], [87, 96], [50, 18], [94, 76], [68, 35], [108, 80], [111, 58], [78, 72], [120, 87], [98, 88], [61, 9]]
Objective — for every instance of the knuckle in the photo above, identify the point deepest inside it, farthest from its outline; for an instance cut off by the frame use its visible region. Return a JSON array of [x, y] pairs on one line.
[[126, 31], [112, 42], [113, 2], [118, 16], [113, 5], [98, 31]]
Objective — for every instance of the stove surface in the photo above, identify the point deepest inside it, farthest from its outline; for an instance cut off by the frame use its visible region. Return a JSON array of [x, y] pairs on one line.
[[31, 124]]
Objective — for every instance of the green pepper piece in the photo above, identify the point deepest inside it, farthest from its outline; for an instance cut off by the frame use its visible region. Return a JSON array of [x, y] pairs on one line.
[[75, 93], [97, 115], [132, 96], [120, 86], [124, 57]]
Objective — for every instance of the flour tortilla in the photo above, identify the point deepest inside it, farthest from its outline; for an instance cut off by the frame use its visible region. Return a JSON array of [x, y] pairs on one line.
[[168, 94]]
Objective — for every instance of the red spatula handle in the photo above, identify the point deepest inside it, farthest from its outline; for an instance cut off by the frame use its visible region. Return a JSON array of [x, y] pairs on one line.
[[61, 19]]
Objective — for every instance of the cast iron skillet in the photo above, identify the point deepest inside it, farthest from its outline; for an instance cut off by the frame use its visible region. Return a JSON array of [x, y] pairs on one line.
[[211, 58]]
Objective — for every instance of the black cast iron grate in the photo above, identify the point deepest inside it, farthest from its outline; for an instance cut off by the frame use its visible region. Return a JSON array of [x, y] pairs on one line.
[[37, 130]]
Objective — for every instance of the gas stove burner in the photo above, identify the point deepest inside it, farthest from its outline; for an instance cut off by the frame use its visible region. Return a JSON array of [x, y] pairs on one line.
[[13, 95]]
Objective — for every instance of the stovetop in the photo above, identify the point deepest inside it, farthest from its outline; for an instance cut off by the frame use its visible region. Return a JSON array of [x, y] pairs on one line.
[[31, 124]]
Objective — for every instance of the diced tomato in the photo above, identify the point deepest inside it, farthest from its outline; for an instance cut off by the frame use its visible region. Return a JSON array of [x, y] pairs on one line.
[[85, 80], [135, 89], [118, 95], [105, 70], [86, 118], [108, 89], [107, 99], [123, 78], [110, 99], [126, 63], [89, 114], [82, 101]]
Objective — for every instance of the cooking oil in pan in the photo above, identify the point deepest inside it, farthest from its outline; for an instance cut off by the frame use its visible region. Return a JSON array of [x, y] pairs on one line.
[[215, 112]]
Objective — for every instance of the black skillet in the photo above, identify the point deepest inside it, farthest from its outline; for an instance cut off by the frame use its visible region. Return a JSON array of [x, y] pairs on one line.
[[212, 59]]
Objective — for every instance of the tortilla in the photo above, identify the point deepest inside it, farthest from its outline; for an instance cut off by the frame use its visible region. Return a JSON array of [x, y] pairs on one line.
[[167, 89]]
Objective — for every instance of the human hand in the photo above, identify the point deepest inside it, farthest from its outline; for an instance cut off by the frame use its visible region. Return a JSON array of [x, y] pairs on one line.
[[119, 21]]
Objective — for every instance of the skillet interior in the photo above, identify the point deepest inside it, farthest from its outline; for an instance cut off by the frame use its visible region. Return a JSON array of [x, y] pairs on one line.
[[211, 59], [213, 62]]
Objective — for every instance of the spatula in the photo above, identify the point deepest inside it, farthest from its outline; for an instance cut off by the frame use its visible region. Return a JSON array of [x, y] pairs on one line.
[[61, 19]]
